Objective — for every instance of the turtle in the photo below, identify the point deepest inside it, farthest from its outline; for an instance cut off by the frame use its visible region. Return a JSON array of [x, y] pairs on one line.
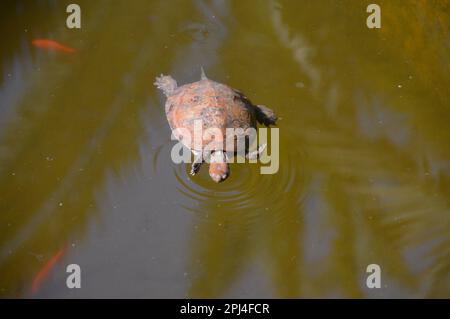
[[219, 107]]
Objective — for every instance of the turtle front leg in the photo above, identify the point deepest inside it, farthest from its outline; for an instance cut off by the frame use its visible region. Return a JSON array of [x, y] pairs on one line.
[[197, 163], [257, 153]]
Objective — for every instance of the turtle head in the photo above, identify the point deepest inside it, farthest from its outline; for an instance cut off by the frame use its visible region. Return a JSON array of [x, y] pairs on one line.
[[166, 83], [218, 167]]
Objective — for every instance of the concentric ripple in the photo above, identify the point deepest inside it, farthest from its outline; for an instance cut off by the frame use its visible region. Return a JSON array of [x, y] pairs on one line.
[[246, 191]]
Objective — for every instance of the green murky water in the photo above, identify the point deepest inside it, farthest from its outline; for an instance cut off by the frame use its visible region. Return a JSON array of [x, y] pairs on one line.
[[364, 174]]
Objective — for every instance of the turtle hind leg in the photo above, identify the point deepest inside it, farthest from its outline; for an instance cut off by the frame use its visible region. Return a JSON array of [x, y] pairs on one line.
[[197, 163], [265, 116], [166, 83]]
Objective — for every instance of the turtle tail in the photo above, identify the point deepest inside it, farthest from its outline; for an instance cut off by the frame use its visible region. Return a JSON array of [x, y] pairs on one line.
[[203, 75]]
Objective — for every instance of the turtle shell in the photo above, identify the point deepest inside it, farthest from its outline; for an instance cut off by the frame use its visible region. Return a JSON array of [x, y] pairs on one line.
[[196, 107]]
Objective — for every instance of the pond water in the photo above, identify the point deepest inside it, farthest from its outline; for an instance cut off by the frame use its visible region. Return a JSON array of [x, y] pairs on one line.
[[364, 175]]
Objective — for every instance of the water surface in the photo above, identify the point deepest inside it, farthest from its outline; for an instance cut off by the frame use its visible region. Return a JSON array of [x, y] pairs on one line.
[[364, 151]]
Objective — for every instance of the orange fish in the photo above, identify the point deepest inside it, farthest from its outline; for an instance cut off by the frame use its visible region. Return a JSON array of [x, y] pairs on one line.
[[43, 273], [52, 45]]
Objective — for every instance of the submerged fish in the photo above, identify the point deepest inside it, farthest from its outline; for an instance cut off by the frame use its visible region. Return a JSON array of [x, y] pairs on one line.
[[43, 273], [52, 45]]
